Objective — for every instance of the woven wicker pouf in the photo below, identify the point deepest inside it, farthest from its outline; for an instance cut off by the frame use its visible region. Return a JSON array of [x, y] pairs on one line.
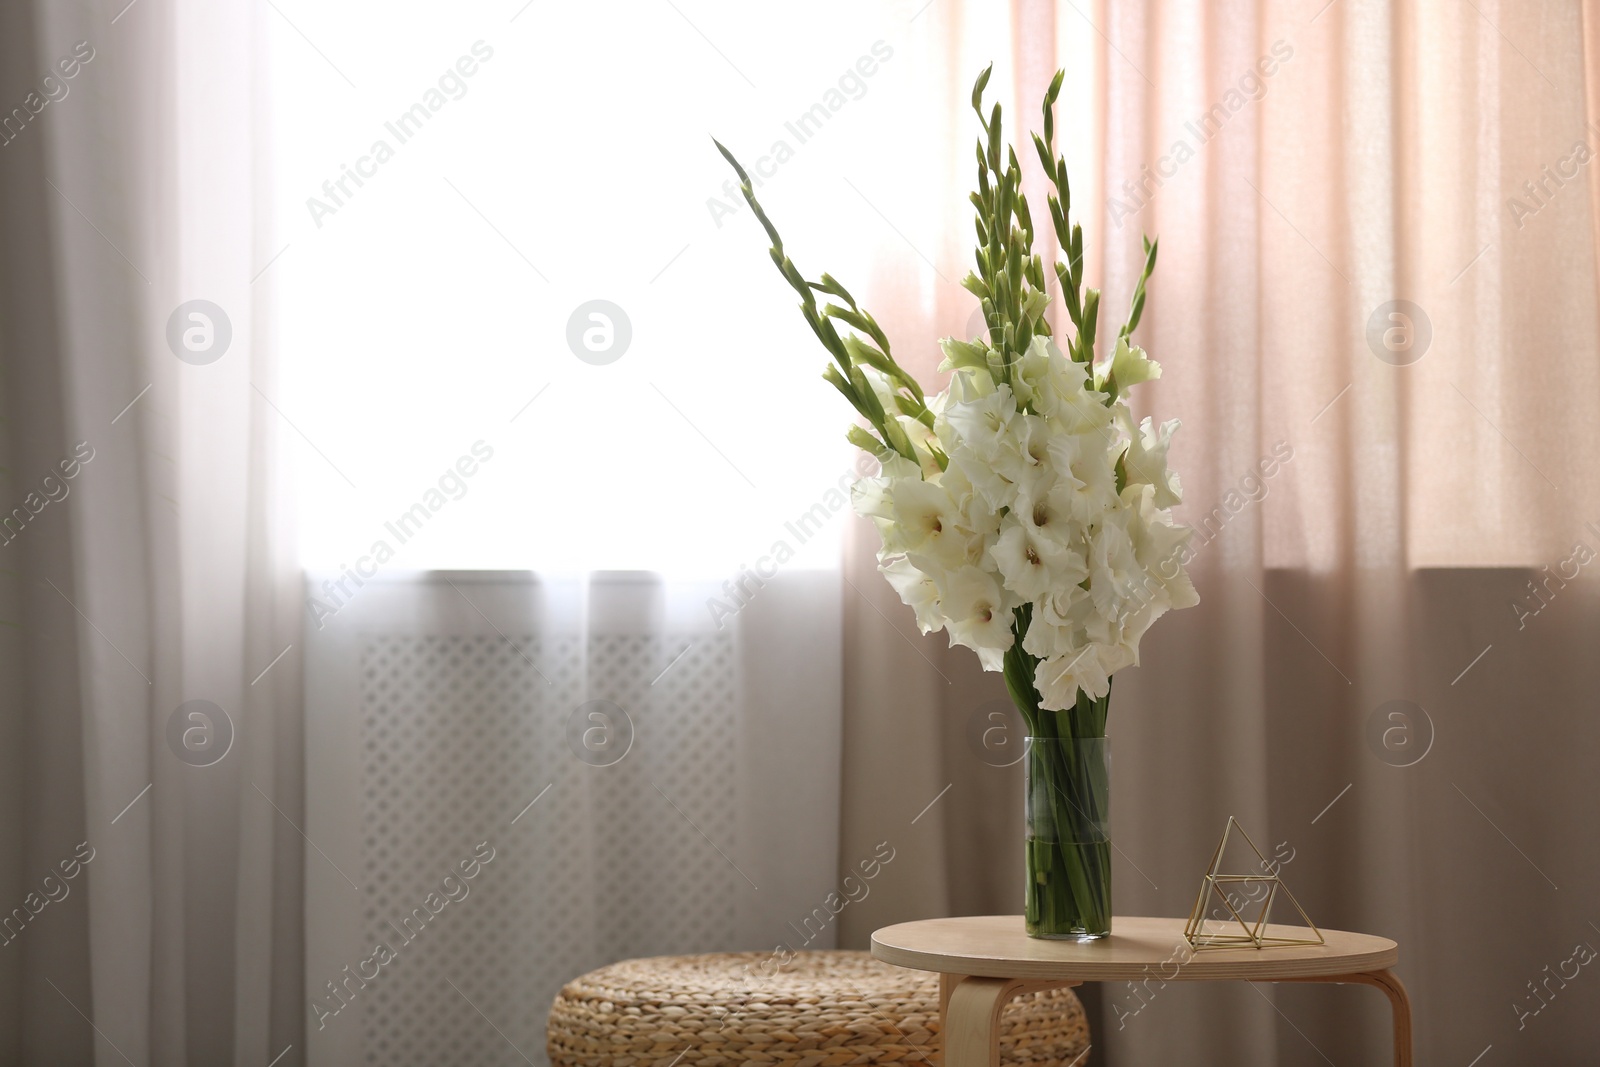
[[821, 1009]]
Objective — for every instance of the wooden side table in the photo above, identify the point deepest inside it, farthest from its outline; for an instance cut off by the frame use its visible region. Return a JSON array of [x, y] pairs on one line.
[[984, 961]]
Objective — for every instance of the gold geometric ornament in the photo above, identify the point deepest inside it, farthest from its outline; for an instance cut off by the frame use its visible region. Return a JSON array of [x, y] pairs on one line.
[[1235, 930]]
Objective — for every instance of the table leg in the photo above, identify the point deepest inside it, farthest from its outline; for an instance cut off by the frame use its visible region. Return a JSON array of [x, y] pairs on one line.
[[970, 1012], [947, 985], [1399, 1004], [972, 1021]]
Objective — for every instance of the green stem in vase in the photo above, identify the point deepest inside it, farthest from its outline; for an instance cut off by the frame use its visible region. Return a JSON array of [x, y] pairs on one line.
[[1068, 850]]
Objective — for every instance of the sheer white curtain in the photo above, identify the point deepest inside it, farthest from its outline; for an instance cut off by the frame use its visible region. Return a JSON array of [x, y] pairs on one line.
[[154, 573], [647, 782], [560, 476], [678, 508]]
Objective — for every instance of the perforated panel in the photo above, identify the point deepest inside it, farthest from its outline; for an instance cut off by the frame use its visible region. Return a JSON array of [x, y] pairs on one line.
[[459, 734]]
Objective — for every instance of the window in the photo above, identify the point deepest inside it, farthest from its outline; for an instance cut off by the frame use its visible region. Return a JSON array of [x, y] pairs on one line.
[[455, 187]]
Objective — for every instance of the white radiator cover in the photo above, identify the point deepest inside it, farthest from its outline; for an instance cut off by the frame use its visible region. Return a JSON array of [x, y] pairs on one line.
[[438, 708]]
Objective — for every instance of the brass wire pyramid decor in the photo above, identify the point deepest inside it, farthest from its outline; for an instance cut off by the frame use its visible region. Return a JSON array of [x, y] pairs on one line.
[[1217, 885]]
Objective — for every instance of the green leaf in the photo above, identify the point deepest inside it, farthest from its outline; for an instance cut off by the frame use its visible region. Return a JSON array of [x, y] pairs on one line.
[[833, 288], [865, 441], [963, 355], [863, 322], [977, 90], [1091, 316], [868, 397], [833, 377], [1136, 306], [1050, 96], [898, 440], [734, 163], [861, 352], [1043, 150]]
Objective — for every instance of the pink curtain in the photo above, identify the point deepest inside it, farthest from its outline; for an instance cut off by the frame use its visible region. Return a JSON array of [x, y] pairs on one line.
[[1376, 305]]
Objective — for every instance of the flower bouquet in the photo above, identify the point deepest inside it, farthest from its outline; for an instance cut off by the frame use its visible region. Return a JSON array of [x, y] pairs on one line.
[[1022, 511]]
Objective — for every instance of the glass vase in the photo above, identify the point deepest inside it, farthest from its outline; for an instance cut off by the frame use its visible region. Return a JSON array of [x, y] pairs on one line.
[[1069, 838]]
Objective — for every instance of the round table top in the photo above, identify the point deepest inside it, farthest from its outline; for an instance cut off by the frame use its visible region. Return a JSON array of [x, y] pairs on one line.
[[997, 946]]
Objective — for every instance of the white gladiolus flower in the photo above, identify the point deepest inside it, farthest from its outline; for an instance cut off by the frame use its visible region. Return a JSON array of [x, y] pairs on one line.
[[881, 387], [1146, 460], [978, 615], [924, 441], [1028, 379], [1024, 459], [1130, 366], [1088, 668], [1046, 509], [1057, 624], [1114, 571], [1034, 564], [870, 498], [917, 591], [926, 522], [1035, 490], [1159, 546], [993, 487], [984, 424], [967, 386], [955, 482], [1090, 475], [1071, 399]]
